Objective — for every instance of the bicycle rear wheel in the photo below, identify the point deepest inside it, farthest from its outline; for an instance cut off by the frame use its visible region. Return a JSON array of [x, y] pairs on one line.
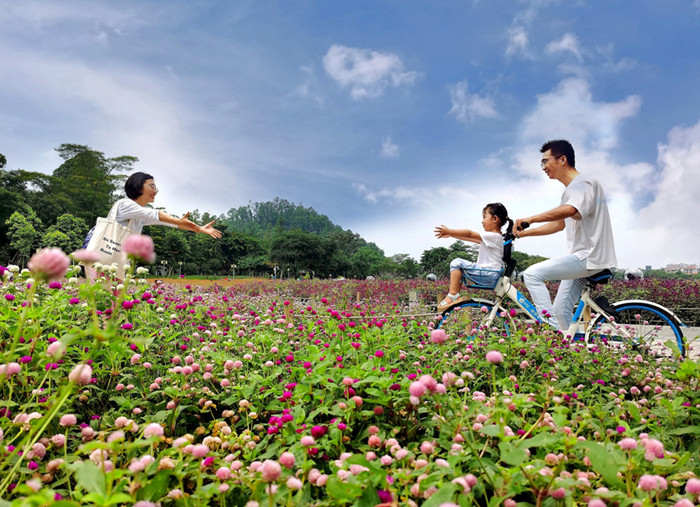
[[651, 328], [465, 321]]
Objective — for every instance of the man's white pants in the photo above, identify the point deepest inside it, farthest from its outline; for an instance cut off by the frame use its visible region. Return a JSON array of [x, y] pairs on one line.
[[571, 271]]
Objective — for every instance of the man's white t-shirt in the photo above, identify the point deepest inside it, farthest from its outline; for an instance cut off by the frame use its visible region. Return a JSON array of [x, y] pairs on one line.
[[490, 250], [132, 215], [589, 237]]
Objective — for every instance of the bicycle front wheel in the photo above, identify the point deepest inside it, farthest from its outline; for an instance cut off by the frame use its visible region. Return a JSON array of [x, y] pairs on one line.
[[647, 327], [466, 321]]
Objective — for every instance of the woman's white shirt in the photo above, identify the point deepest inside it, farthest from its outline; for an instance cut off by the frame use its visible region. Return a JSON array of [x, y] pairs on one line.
[[132, 215]]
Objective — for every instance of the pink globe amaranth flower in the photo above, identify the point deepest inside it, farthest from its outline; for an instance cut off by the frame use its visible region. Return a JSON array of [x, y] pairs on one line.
[[427, 448], [49, 264], [509, 502], [140, 247], [85, 256], [693, 486], [494, 357], [558, 493], [654, 449], [287, 459], [200, 450], [81, 374], [270, 470], [379, 354], [684, 502], [627, 444], [438, 336], [223, 474], [10, 369], [596, 502], [153, 430], [68, 420], [54, 350], [429, 382], [307, 441], [294, 484], [321, 481], [652, 482]]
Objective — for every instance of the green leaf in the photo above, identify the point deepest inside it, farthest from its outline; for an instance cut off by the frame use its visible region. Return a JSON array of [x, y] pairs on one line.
[[369, 498], [604, 462], [492, 430], [511, 454], [119, 498], [539, 440], [684, 431], [91, 478], [156, 487], [442, 495], [342, 490]]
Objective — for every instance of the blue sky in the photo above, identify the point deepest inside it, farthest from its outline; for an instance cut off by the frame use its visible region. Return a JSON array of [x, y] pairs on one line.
[[390, 117]]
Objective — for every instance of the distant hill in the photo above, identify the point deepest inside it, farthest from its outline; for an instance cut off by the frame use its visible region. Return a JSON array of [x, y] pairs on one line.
[[262, 218]]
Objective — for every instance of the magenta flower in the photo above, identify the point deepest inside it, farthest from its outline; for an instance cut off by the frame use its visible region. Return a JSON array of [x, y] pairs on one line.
[[379, 353], [438, 336]]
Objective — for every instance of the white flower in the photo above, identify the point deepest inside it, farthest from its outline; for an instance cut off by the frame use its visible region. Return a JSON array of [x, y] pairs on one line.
[[30, 281], [98, 266], [132, 282], [24, 271], [160, 310], [141, 270], [13, 268], [120, 286], [72, 280], [84, 305]]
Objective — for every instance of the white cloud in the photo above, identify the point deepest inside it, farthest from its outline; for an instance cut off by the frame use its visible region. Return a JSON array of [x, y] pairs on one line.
[[569, 43], [308, 89], [389, 149], [517, 42], [667, 227], [470, 106], [569, 112], [366, 72]]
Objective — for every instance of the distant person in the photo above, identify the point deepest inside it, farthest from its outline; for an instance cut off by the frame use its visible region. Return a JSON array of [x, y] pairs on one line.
[[490, 241], [583, 212], [131, 211]]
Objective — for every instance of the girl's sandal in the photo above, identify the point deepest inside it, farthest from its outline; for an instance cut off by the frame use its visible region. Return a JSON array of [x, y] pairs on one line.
[[448, 302]]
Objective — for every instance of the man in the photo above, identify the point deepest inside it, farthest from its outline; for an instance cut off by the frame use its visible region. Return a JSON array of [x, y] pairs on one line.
[[583, 212]]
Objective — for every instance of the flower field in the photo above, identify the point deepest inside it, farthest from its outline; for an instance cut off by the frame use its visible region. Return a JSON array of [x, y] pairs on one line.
[[323, 393]]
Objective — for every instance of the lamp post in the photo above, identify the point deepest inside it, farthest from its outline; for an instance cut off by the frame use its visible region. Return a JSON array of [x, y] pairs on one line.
[[180, 264], [275, 269], [288, 275], [233, 268]]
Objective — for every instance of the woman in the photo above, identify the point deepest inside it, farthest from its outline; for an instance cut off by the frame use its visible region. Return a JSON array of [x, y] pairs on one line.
[[131, 212]]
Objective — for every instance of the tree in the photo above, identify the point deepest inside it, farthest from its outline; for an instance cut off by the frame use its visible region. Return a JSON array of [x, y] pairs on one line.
[[432, 258], [3, 161], [87, 182], [524, 260], [365, 262], [68, 233], [24, 234], [299, 250]]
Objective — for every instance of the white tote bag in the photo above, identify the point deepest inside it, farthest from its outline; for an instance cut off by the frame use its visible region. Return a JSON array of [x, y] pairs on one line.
[[107, 239]]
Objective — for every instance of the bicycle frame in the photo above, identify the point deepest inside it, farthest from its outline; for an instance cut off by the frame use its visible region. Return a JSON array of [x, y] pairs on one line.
[[504, 288]]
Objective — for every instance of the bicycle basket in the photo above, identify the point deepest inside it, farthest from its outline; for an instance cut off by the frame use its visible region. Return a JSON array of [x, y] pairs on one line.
[[480, 278]]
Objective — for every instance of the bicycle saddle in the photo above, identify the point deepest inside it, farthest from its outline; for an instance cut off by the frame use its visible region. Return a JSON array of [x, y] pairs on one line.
[[600, 278]]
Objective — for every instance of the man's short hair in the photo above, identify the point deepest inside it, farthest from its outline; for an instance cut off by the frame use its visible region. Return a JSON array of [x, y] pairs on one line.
[[134, 185], [560, 148]]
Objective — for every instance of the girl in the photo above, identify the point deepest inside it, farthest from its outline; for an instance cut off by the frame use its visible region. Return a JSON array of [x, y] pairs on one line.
[[490, 243]]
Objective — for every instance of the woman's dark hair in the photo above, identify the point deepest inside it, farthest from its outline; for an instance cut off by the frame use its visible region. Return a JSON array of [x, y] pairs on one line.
[[499, 211], [134, 185], [560, 148]]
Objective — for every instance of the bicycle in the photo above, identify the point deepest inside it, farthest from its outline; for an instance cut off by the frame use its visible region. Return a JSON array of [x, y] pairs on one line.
[[642, 325]]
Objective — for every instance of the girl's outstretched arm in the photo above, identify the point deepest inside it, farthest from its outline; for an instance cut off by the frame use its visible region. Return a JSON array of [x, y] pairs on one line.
[[463, 234]]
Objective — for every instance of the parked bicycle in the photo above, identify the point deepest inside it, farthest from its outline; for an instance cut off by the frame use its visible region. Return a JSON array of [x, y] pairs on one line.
[[641, 325]]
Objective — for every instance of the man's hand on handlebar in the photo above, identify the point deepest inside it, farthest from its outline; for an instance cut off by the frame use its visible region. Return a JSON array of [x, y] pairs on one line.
[[520, 225]]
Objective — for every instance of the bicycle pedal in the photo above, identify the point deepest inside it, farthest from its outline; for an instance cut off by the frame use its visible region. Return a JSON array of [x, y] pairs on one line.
[[605, 305]]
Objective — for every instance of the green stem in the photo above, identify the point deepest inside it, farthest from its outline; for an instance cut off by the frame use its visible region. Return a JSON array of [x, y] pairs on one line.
[[33, 439]]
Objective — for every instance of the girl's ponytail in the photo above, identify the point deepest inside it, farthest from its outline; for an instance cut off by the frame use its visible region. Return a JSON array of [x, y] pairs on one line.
[[499, 211]]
